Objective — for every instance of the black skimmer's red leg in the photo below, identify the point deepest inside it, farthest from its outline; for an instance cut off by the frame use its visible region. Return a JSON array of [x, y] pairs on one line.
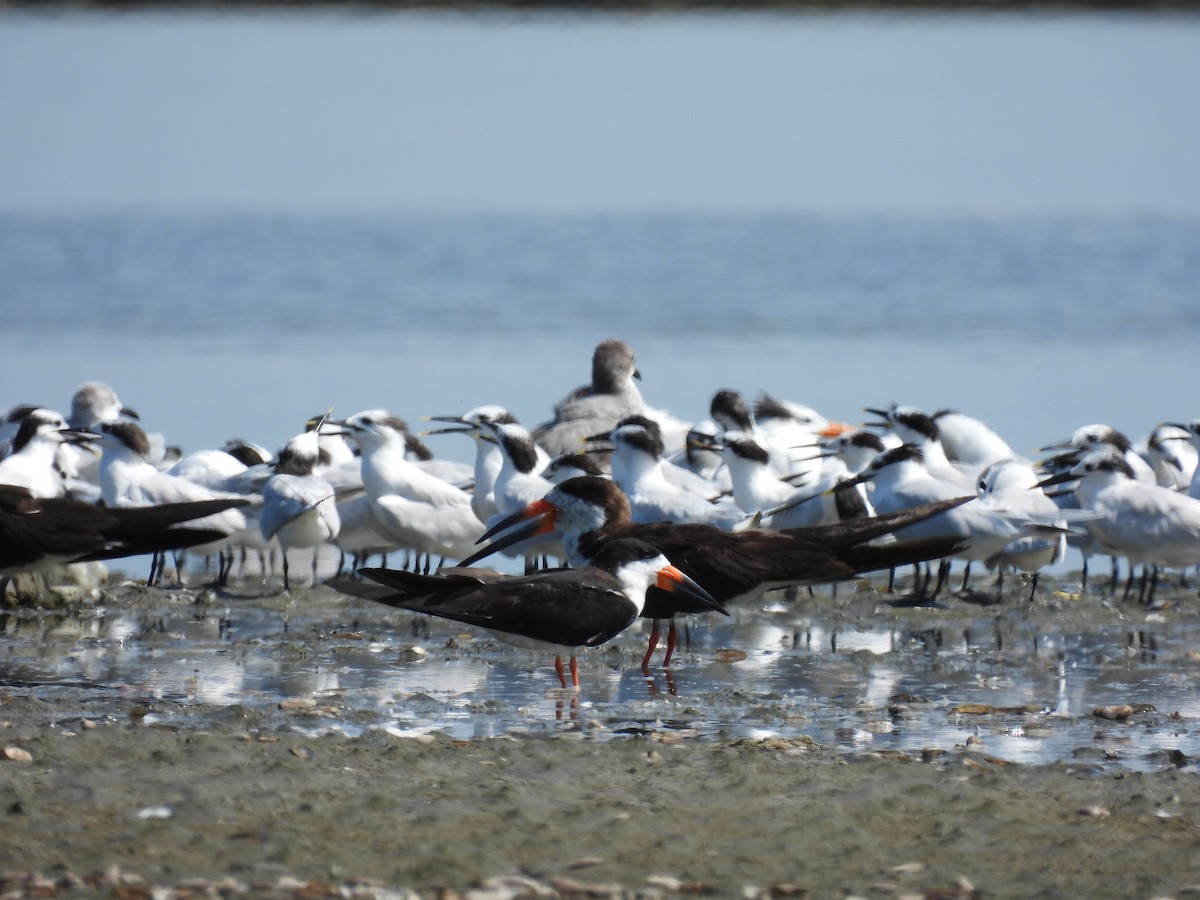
[[651, 646], [672, 643]]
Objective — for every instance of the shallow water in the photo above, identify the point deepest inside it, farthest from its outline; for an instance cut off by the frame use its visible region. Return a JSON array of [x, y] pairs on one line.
[[1018, 681]]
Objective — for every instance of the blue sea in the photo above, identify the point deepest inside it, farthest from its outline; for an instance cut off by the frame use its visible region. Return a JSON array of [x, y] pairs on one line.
[[220, 325]]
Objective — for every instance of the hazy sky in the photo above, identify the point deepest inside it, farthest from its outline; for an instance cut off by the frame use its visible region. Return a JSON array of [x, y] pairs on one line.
[[420, 112]]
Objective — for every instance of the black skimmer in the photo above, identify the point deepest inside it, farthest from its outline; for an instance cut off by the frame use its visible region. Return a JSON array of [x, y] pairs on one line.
[[39, 533], [581, 607], [592, 511]]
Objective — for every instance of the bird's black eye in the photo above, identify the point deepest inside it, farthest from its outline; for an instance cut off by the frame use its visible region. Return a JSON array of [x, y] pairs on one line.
[[368, 421], [983, 485]]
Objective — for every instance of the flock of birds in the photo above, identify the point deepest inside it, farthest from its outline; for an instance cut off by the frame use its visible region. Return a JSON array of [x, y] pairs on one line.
[[645, 515]]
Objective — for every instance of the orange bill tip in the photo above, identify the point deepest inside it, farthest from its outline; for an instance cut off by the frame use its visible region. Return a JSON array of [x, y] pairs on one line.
[[669, 578]]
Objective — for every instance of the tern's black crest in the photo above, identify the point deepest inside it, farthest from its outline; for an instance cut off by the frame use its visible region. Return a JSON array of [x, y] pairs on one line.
[[388, 421], [129, 434], [1108, 435], [416, 448], [1111, 463], [747, 449], [902, 453], [918, 421], [729, 409], [245, 453], [767, 407], [867, 440], [642, 421], [19, 413], [520, 448], [642, 434], [33, 420], [294, 460], [498, 416]]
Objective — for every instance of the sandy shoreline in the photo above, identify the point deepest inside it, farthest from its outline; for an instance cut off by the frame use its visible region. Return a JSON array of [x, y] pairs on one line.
[[249, 806]]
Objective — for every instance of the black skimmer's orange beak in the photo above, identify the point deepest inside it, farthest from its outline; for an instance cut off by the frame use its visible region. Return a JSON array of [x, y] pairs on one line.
[[673, 581], [535, 519]]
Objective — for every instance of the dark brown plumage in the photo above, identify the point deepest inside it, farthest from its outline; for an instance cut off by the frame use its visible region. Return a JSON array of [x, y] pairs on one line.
[[36, 534], [591, 512], [582, 607]]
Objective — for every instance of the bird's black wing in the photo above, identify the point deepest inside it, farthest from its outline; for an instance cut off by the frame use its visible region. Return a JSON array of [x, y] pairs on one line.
[[570, 607]]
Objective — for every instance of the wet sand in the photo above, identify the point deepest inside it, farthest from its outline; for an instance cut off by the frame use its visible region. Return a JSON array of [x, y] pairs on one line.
[[252, 807], [126, 794]]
